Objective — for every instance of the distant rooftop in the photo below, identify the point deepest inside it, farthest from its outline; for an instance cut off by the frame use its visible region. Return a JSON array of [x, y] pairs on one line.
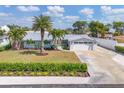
[[3, 37]]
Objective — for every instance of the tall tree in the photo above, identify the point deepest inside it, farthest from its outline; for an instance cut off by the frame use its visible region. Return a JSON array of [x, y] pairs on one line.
[[108, 26], [2, 32], [42, 23], [118, 26], [16, 35], [98, 28], [79, 27]]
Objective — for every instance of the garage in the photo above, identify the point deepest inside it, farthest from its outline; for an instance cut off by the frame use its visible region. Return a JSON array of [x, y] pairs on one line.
[[82, 44]]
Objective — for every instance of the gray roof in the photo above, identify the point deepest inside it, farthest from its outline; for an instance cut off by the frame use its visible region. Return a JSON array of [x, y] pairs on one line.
[[3, 37], [70, 37]]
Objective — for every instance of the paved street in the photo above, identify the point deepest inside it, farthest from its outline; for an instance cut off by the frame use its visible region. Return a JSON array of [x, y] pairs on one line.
[[102, 66]]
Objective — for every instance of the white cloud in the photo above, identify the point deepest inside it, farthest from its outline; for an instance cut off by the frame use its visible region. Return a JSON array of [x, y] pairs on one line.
[[87, 11], [7, 6], [110, 14], [55, 11], [23, 21], [106, 8], [71, 18], [28, 8], [2, 14]]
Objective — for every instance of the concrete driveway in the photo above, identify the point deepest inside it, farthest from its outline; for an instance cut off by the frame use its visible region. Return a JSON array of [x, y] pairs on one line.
[[105, 66]]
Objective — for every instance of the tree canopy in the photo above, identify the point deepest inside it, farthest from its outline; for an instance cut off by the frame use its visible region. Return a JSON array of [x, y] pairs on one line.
[[79, 27], [97, 27]]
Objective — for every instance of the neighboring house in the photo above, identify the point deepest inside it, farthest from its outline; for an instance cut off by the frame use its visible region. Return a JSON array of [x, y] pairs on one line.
[[4, 39], [5, 28], [74, 42], [107, 36]]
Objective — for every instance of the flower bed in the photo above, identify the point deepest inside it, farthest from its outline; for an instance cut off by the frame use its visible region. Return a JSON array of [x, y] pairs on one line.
[[43, 69]]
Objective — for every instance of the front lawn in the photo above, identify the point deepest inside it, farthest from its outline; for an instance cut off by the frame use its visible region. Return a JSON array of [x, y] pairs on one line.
[[25, 56], [43, 69], [28, 63]]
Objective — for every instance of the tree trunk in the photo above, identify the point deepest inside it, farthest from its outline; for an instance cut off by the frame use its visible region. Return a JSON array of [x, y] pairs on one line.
[[15, 45], [42, 41], [19, 45]]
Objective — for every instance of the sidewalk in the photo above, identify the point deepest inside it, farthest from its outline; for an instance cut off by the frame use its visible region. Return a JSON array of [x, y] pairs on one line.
[[42, 80]]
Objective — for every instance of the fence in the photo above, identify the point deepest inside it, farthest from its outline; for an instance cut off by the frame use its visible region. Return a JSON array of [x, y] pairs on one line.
[[107, 43]]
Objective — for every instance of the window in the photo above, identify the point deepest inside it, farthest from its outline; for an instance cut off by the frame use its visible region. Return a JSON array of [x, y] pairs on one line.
[[83, 42], [75, 42]]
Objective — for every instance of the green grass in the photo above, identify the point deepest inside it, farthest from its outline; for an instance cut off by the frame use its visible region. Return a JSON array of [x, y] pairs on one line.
[[119, 49], [30, 57], [56, 63]]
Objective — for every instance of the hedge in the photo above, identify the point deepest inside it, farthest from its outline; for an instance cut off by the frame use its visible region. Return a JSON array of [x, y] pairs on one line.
[[119, 49], [44, 67]]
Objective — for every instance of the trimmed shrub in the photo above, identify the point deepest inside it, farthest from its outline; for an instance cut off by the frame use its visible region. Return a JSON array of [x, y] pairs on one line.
[[119, 49], [7, 47], [44, 67]]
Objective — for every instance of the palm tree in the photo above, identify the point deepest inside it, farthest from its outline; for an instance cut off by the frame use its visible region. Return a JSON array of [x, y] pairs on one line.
[[57, 36], [97, 27], [16, 35], [2, 32], [42, 23], [30, 42], [118, 26]]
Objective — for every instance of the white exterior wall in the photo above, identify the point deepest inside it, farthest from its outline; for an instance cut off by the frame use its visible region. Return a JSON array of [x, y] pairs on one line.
[[78, 47], [83, 47], [110, 44], [28, 46], [120, 44]]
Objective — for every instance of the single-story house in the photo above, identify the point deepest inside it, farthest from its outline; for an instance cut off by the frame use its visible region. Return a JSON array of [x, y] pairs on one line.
[[4, 41], [74, 42], [5, 28]]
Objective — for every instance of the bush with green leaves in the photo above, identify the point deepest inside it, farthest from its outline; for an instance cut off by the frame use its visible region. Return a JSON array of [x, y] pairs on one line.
[[44, 67], [119, 49], [2, 48]]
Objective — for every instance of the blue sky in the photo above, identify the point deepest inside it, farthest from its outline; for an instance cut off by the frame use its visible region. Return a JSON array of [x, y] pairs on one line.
[[62, 16]]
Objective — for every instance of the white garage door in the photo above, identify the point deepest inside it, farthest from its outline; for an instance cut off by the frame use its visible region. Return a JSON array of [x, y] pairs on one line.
[[79, 47]]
